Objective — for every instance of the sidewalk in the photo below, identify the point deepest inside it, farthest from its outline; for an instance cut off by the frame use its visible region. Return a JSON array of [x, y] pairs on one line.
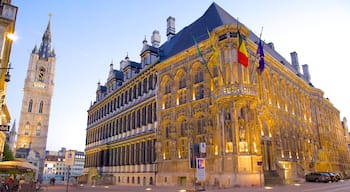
[[89, 188]]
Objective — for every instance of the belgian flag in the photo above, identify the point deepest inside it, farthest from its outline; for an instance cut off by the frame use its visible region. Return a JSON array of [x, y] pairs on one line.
[[242, 53]]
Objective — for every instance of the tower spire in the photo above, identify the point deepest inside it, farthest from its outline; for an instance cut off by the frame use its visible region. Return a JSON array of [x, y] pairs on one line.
[[45, 50]]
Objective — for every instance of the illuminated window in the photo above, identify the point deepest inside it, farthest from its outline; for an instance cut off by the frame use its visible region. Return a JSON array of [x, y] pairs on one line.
[[229, 147], [183, 149], [182, 97], [166, 154], [167, 101]]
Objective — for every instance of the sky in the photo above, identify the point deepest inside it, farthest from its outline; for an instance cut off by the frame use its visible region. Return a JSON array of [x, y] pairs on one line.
[[88, 35]]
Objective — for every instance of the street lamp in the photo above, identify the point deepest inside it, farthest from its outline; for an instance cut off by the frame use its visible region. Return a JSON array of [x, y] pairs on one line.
[[68, 173], [7, 75], [69, 163]]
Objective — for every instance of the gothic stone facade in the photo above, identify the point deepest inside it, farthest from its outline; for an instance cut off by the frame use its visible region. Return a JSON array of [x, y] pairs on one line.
[[253, 124]]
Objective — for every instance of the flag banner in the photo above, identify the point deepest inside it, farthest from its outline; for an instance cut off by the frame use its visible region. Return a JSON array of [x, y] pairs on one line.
[[199, 52], [242, 53], [260, 53], [215, 53]]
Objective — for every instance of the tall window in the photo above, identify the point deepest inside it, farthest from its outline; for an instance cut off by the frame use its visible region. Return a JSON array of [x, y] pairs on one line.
[[183, 128], [26, 129], [182, 97], [201, 125], [38, 130], [199, 92], [182, 82], [183, 152], [167, 131], [166, 154], [30, 106], [199, 77], [167, 88], [41, 107], [150, 82], [167, 102]]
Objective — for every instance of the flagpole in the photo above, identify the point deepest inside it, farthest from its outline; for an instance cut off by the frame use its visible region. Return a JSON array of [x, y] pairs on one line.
[[216, 53], [256, 54], [202, 60]]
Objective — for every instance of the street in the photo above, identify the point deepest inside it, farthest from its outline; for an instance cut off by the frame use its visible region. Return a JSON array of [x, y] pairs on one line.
[[300, 187]]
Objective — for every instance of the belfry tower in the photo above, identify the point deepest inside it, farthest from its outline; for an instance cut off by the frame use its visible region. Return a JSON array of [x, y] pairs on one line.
[[36, 103]]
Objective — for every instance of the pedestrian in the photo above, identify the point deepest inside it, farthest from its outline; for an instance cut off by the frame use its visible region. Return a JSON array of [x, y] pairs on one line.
[[10, 183]]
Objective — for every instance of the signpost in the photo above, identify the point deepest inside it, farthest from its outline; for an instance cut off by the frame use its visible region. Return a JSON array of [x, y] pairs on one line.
[[200, 169], [260, 164]]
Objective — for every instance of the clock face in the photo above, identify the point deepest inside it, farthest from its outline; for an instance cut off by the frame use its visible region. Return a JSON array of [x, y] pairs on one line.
[[39, 85]]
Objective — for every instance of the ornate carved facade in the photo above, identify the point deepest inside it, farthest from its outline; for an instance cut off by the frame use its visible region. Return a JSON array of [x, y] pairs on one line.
[[252, 123], [8, 14]]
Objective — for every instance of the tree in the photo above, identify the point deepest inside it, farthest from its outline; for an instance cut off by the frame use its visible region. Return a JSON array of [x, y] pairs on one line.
[[8, 155]]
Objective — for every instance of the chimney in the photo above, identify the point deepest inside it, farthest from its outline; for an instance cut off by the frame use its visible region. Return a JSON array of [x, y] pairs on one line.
[[155, 39], [170, 31], [271, 45], [295, 62], [306, 72]]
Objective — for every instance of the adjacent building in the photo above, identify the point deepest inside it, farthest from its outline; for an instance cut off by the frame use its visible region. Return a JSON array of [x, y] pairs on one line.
[[36, 103], [54, 166], [74, 162], [190, 98], [63, 164], [8, 13]]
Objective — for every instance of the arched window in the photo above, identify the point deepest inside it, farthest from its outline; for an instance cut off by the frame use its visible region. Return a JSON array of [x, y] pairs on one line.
[[199, 92], [41, 107], [182, 82], [199, 76], [38, 129], [168, 87], [26, 128], [30, 106]]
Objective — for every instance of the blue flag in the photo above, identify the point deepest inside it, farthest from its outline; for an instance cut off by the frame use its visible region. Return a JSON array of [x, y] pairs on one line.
[[260, 53]]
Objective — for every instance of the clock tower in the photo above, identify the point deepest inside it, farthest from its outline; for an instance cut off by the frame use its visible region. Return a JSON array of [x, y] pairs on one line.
[[36, 103]]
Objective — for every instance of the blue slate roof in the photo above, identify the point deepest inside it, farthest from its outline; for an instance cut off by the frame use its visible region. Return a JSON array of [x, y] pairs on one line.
[[135, 65], [119, 75], [214, 17], [45, 51]]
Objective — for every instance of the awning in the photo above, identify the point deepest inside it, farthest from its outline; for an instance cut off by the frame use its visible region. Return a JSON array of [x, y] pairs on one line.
[[17, 166]]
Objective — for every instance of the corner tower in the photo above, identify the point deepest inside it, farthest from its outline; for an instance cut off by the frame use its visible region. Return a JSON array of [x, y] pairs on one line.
[[36, 103]]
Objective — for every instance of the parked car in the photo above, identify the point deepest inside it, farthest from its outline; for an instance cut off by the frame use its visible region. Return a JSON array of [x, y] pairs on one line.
[[335, 176], [318, 177]]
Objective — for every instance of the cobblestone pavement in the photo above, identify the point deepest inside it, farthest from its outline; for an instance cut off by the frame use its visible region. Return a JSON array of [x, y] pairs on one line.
[[299, 187], [89, 188]]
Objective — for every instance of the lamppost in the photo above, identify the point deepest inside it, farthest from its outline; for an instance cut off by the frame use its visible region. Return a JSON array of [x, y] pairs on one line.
[[68, 174], [69, 163], [7, 75]]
